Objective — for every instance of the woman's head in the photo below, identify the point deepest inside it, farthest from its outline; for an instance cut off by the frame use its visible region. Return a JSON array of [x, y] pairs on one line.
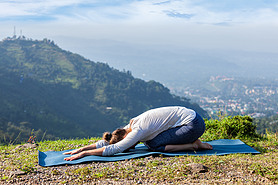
[[115, 137]]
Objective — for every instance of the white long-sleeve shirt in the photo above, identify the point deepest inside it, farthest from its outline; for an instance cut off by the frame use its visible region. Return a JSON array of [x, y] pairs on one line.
[[148, 125]]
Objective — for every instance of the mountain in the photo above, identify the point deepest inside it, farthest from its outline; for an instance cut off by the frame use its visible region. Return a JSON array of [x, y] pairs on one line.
[[49, 92]]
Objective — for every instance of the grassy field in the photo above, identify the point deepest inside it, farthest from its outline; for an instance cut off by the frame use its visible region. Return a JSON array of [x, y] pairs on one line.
[[19, 165]]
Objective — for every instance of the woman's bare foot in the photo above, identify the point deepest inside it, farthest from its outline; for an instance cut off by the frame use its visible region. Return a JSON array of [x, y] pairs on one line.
[[198, 145]]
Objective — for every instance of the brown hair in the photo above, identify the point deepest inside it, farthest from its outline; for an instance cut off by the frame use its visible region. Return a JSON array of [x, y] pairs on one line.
[[115, 137]]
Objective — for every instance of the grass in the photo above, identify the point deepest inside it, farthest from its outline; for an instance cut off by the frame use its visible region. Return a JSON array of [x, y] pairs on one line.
[[234, 168]]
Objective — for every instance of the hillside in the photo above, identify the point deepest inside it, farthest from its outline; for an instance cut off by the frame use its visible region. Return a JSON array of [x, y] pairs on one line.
[[51, 93]]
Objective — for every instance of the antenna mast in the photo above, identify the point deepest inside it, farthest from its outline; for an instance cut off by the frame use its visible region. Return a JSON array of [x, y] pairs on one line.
[[14, 32]]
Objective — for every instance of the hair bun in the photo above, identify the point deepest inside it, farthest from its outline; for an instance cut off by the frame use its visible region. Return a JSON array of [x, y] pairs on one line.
[[107, 136]]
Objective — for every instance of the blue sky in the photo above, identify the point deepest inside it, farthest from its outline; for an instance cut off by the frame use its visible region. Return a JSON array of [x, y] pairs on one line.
[[105, 30], [195, 11]]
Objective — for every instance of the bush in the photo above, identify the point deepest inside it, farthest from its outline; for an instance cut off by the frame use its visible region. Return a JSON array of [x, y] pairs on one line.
[[237, 127]]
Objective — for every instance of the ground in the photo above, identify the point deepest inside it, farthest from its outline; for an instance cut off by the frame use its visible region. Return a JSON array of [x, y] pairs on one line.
[[19, 165]]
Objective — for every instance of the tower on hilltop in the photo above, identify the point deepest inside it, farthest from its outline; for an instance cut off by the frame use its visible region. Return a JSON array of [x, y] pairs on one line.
[[14, 36]]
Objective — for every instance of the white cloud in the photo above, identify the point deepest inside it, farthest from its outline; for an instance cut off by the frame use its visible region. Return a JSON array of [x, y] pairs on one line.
[[8, 9], [102, 11]]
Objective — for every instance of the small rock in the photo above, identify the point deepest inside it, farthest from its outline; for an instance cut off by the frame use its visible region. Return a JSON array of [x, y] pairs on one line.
[[27, 145], [17, 173], [197, 168]]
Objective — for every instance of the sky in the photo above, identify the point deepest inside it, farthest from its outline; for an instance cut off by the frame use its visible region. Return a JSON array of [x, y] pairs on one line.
[[118, 32]]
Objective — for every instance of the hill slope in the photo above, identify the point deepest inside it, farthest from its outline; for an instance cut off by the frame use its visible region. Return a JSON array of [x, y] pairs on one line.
[[65, 95]]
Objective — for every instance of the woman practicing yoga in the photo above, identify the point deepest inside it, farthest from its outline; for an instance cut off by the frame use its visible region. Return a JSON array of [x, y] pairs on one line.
[[165, 129]]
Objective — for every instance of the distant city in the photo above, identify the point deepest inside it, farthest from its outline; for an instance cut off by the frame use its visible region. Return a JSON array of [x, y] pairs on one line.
[[233, 96]]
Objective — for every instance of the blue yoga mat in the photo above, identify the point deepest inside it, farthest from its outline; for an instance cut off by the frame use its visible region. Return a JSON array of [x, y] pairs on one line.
[[220, 147]]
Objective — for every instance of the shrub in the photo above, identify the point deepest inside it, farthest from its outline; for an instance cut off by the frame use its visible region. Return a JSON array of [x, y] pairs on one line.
[[237, 127]]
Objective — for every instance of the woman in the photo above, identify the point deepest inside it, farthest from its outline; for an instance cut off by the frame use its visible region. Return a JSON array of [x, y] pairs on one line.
[[165, 129]]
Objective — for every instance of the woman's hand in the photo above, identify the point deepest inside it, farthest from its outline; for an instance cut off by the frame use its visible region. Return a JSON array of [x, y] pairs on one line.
[[76, 151], [74, 157]]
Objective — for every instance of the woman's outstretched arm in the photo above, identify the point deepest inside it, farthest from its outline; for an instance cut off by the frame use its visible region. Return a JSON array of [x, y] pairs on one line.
[[97, 151], [76, 151], [99, 144]]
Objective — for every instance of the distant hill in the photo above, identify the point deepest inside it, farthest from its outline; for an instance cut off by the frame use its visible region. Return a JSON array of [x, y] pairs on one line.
[[49, 92], [189, 65]]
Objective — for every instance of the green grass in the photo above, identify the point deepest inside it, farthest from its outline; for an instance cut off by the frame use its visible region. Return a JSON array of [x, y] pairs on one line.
[[161, 169], [234, 168]]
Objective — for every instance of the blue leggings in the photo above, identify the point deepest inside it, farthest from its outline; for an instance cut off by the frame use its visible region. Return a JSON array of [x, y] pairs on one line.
[[178, 135]]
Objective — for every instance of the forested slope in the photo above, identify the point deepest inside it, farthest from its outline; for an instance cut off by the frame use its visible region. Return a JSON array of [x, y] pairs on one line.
[[61, 94]]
